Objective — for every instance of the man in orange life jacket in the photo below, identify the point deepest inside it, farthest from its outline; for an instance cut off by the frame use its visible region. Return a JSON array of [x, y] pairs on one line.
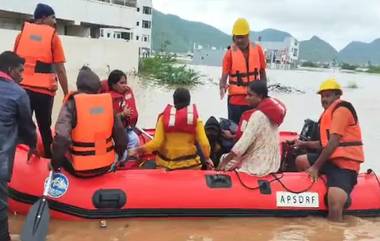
[[342, 148], [243, 63], [87, 130], [41, 47]]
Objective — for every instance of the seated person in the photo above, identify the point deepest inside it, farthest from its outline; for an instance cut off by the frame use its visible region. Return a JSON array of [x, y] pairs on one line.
[[221, 136], [340, 148], [87, 131], [257, 150], [124, 104], [178, 131]]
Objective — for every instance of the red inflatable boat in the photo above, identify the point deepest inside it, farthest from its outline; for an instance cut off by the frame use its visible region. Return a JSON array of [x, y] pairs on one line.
[[190, 193]]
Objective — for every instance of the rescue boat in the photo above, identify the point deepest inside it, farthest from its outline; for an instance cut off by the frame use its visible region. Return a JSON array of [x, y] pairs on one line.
[[129, 193]]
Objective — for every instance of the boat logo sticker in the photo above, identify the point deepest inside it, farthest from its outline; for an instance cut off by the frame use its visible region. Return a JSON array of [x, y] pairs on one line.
[[301, 200], [59, 185]]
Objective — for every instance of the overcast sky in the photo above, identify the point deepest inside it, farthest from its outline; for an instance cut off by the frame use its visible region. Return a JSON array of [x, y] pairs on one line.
[[337, 21]]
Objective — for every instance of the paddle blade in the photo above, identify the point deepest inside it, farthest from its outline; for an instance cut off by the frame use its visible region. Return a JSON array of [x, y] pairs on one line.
[[37, 222]]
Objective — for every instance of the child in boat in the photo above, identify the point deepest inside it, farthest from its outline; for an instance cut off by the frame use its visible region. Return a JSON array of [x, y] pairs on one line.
[[179, 131], [124, 104]]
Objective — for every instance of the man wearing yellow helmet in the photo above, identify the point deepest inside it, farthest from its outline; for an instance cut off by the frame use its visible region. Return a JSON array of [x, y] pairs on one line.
[[341, 149], [243, 63]]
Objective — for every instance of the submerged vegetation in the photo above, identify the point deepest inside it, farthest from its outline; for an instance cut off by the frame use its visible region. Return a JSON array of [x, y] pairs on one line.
[[374, 69], [164, 69]]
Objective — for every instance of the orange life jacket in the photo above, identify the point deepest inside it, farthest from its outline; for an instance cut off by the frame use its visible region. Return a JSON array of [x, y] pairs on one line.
[[242, 73], [35, 46], [183, 120], [92, 146], [274, 109], [350, 145]]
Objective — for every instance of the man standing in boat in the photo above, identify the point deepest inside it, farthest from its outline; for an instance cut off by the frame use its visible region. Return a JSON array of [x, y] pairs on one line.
[[243, 63], [15, 124], [42, 49], [341, 145]]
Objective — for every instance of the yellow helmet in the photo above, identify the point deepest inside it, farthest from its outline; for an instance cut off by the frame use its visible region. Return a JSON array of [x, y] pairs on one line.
[[329, 84], [241, 27]]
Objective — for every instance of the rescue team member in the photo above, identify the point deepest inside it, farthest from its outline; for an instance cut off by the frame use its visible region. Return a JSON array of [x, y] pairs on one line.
[[124, 103], [178, 130], [41, 47], [87, 130], [257, 150], [243, 63], [342, 148], [16, 125]]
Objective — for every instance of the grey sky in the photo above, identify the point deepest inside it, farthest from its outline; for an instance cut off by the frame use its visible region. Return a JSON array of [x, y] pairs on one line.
[[337, 21]]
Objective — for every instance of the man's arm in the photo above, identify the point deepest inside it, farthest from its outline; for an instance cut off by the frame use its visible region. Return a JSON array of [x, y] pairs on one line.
[[119, 136], [223, 85], [327, 151], [27, 129], [62, 139], [263, 75], [62, 77]]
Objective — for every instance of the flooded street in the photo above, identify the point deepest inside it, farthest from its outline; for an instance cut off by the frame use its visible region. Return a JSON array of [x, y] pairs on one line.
[[151, 100]]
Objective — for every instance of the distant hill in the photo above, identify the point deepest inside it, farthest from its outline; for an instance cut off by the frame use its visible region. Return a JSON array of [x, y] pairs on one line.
[[317, 50], [178, 35], [361, 53], [182, 34]]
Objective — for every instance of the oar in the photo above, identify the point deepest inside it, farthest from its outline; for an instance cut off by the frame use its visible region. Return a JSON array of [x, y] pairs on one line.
[[144, 132], [37, 221]]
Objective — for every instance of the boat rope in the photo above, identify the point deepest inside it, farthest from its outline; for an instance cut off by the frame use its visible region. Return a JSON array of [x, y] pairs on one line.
[[369, 171], [275, 178]]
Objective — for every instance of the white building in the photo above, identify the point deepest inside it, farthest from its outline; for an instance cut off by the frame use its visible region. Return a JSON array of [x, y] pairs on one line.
[[283, 53], [107, 19]]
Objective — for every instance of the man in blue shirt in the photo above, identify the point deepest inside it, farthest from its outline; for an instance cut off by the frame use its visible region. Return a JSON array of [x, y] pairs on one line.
[[16, 126]]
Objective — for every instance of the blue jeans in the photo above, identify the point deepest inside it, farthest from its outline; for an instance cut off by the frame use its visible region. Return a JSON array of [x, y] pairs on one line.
[[133, 141], [133, 138], [4, 232]]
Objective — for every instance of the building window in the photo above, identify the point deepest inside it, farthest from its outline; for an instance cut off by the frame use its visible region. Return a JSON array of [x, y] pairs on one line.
[[137, 23], [137, 37], [101, 32], [147, 10], [146, 24], [138, 9], [145, 38], [108, 35]]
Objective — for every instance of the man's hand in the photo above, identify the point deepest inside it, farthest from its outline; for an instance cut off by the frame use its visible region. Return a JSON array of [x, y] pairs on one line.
[[126, 111], [228, 134], [222, 92], [209, 164], [299, 144], [32, 152], [313, 173]]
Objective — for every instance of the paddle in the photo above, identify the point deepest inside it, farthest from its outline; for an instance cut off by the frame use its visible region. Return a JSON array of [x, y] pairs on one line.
[[144, 132], [37, 221]]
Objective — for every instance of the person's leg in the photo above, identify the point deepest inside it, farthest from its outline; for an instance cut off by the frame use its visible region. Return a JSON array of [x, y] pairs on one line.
[[340, 183], [235, 112], [336, 199], [303, 162], [4, 230], [43, 110], [133, 139]]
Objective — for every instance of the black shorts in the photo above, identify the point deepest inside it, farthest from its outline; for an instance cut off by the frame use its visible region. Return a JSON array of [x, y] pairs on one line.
[[336, 177]]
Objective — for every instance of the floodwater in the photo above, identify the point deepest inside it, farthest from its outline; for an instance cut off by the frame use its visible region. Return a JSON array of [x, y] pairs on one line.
[[152, 99]]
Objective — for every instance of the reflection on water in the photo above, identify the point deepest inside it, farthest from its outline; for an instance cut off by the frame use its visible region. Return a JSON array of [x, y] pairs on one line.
[[151, 100]]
